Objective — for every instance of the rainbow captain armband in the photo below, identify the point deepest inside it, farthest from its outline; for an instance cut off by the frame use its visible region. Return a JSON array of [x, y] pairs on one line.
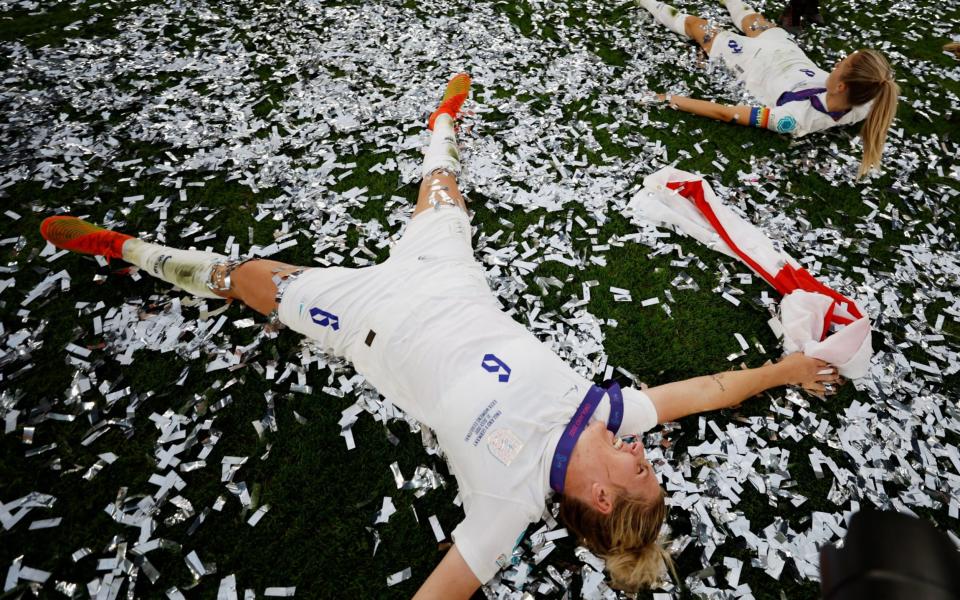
[[759, 116]]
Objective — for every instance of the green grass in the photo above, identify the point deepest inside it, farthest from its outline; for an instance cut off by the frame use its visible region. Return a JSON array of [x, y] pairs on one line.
[[319, 533]]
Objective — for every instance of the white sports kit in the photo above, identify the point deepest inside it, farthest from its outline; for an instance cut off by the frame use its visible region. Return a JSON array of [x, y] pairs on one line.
[[775, 70], [424, 328]]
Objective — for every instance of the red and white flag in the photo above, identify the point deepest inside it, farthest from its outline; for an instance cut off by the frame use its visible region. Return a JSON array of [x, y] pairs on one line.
[[815, 319]]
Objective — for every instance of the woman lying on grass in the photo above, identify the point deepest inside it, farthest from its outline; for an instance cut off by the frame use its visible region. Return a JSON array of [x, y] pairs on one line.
[[516, 423], [798, 97]]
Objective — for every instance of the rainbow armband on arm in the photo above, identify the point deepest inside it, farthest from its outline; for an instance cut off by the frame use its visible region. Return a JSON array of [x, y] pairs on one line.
[[759, 117]]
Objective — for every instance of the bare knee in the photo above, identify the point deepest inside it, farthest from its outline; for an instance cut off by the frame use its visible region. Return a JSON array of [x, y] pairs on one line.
[[438, 189], [701, 31], [694, 27], [755, 24]]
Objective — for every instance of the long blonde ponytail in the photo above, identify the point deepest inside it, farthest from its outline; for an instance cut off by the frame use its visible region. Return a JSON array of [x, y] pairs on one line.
[[628, 538], [869, 77]]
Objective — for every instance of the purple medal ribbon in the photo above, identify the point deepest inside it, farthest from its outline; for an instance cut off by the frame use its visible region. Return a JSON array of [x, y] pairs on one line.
[[579, 422], [810, 94]]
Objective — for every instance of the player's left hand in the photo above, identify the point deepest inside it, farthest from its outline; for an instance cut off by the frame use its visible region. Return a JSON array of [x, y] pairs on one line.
[[812, 374]]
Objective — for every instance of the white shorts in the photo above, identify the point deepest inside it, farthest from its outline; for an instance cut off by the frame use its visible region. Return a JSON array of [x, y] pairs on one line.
[[356, 313]]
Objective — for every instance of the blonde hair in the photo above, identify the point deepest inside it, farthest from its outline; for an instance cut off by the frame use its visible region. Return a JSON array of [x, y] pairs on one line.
[[628, 538], [869, 77]]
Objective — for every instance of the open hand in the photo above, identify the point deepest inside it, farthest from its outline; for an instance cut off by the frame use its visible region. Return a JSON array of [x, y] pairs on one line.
[[812, 374], [652, 97]]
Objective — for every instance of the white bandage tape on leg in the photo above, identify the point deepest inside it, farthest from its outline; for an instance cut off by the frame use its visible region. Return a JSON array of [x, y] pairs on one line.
[[738, 11], [442, 152], [187, 269], [666, 15]]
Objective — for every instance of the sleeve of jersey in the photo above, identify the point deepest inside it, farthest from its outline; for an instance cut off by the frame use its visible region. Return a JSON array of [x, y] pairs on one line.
[[488, 535], [795, 119], [639, 413]]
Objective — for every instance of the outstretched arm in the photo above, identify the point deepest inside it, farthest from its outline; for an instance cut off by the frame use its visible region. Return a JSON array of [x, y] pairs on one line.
[[721, 112], [451, 579], [721, 390]]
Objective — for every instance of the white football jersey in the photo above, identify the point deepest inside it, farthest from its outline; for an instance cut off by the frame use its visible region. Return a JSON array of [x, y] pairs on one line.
[[426, 331]]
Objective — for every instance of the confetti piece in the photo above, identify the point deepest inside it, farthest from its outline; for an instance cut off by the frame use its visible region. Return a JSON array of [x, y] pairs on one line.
[[257, 515], [399, 577], [743, 342], [437, 530], [386, 511]]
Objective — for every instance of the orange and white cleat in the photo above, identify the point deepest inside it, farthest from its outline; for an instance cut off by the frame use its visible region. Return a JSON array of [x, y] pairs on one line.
[[77, 235], [458, 88]]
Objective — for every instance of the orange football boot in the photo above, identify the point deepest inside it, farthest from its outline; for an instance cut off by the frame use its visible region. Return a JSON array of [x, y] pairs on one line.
[[71, 233], [458, 88]]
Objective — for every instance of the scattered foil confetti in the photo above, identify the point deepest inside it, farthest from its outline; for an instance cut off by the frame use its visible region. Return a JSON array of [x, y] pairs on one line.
[[890, 443]]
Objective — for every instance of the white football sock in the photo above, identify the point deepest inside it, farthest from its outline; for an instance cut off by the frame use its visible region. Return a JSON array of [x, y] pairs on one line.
[[189, 270], [666, 15], [738, 10], [442, 152]]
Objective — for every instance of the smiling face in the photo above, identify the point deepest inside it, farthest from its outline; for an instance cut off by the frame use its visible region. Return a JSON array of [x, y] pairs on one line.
[[619, 465]]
